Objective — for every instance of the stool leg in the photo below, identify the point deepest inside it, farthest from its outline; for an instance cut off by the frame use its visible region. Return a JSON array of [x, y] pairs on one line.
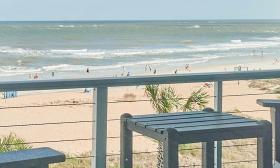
[[126, 143], [208, 154], [264, 145], [275, 119], [170, 149]]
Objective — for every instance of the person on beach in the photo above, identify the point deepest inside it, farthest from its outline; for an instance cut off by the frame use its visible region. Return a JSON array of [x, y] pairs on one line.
[[207, 85], [87, 70], [176, 71], [187, 67], [128, 74], [36, 76], [52, 74], [155, 71]]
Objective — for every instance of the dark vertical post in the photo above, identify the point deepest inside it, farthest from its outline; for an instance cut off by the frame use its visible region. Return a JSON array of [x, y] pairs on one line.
[[208, 154], [208, 150], [170, 149], [275, 120], [126, 143], [264, 145]]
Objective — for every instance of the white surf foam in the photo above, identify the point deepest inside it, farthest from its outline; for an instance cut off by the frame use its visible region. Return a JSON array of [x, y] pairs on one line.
[[18, 69], [69, 67], [100, 54], [236, 41], [66, 26]]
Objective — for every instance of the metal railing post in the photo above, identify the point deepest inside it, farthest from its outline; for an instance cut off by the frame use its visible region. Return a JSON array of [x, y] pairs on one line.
[[99, 128], [218, 106]]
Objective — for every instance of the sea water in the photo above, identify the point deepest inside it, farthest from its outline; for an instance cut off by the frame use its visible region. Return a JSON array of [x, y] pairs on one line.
[[119, 48]]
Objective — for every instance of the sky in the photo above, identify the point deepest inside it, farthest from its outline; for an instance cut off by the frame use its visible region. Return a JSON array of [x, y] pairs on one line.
[[20, 10]]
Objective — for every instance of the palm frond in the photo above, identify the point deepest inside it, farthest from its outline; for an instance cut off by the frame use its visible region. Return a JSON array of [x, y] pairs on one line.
[[163, 100], [197, 101]]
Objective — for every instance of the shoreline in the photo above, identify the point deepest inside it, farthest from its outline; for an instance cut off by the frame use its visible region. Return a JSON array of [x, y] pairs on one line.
[[213, 65]]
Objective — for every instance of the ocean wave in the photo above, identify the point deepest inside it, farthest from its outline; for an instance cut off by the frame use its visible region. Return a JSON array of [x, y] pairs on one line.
[[68, 51], [66, 26], [273, 38], [194, 27], [69, 67], [236, 41], [18, 69], [101, 54], [21, 70]]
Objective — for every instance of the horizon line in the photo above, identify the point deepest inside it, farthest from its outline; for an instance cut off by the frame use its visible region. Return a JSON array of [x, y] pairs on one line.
[[130, 20]]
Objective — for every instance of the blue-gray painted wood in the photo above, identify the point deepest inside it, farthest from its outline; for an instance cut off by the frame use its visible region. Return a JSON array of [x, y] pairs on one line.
[[275, 120], [170, 149], [269, 103], [208, 159], [39, 158], [234, 127], [135, 81], [218, 106], [264, 148], [99, 130], [126, 142]]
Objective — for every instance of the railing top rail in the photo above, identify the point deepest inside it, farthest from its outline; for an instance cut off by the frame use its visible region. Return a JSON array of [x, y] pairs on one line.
[[137, 80]]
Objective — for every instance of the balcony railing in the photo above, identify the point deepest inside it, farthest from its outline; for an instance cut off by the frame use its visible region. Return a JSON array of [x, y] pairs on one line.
[[100, 110]]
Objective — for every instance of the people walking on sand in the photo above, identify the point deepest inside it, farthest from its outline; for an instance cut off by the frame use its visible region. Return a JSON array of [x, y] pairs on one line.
[[187, 67], [176, 71], [150, 68], [155, 71], [36, 76], [128, 74], [207, 85], [87, 70], [52, 74]]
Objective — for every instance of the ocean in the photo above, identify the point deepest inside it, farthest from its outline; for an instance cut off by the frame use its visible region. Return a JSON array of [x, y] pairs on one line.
[[116, 48]]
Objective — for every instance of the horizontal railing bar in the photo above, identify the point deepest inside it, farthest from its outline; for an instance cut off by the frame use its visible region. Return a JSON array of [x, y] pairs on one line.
[[135, 81]]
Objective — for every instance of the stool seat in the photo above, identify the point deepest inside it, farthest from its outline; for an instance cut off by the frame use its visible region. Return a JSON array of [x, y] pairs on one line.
[[173, 129], [191, 123]]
